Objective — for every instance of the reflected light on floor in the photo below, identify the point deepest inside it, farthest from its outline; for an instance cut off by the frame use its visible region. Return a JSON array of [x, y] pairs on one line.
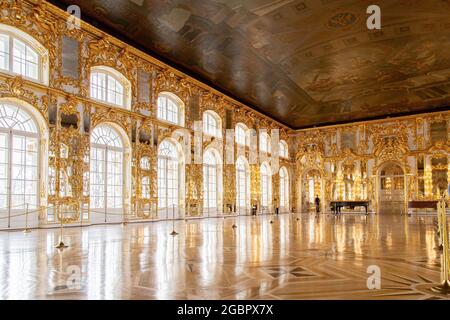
[[313, 257]]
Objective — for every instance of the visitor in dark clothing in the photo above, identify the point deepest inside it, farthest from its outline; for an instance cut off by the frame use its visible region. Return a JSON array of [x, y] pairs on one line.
[[317, 202]]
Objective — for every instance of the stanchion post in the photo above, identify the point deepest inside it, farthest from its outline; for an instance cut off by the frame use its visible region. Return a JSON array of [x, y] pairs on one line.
[[439, 218], [234, 226], [26, 230], [173, 233], [444, 287], [9, 216], [124, 222], [271, 217], [61, 244]]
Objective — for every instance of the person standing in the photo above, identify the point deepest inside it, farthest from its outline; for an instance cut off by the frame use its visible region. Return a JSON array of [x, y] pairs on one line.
[[317, 202]]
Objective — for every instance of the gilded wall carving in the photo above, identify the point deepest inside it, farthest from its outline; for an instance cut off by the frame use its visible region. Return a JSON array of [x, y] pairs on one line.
[[358, 174]]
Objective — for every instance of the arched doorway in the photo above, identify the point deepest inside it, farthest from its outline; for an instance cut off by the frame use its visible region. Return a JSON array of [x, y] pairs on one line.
[[23, 163], [108, 172], [391, 189], [19, 160], [171, 177], [311, 187]]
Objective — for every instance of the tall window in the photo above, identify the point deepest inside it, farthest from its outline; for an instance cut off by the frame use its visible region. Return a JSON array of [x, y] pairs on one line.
[[170, 108], [168, 175], [19, 156], [109, 86], [283, 149], [211, 124], [21, 54], [210, 180], [284, 188], [264, 142], [266, 185], [242, 184], [106, 183], [241, 134]]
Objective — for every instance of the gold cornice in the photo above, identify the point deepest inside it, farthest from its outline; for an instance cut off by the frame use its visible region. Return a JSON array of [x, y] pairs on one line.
[[416, 116]]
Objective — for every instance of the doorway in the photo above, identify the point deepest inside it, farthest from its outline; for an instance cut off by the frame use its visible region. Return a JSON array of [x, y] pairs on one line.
[[392, 189], [312, 187]]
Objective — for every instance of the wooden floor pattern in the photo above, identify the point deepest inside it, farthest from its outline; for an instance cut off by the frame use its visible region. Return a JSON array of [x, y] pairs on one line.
[[313, 257]]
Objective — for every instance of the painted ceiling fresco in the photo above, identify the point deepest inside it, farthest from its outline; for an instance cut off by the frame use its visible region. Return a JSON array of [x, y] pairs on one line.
[[303, 62]]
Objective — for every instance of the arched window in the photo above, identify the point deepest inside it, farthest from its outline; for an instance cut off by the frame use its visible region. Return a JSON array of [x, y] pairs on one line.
[[242, 185], [284, 189], [19, 158], [242, 134], [110, 86], [170, 108], [266, 185], [283, 149], [107, 179], [21, 54], [211, 179], [168, 176], [212, 124], [145, 163], [264, 142]]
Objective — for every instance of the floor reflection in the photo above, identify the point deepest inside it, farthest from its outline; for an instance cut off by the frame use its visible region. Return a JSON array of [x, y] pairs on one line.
[[294, 257]]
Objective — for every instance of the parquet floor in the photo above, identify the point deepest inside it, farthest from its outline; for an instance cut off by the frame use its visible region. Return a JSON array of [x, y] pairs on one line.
[[324, 257]]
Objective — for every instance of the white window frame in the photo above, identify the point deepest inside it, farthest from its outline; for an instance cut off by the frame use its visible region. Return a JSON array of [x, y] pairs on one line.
[[30, 43], [166, 175], [107, 150], [264, 142], [164, 98], [210, 181], [212, 124], [110, 74], [242, 131], [10, 133]]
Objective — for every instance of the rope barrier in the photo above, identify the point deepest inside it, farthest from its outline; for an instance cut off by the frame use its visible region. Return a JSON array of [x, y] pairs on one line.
[[60, 216]]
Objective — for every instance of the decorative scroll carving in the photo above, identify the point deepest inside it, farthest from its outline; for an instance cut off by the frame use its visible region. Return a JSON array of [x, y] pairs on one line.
[[390, 142], [166, 80]]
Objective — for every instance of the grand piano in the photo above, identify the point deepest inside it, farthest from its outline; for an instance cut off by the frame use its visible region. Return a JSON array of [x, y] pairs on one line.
[[336, 206], [422, 204]]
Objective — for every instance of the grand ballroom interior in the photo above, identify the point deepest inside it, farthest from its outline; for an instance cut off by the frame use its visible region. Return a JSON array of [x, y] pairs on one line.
[[226, 150]]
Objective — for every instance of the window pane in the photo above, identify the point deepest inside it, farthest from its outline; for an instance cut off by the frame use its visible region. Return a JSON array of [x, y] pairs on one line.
[[115, 91], [168, 109], [25, 60], [4, 52], [98, 86]]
